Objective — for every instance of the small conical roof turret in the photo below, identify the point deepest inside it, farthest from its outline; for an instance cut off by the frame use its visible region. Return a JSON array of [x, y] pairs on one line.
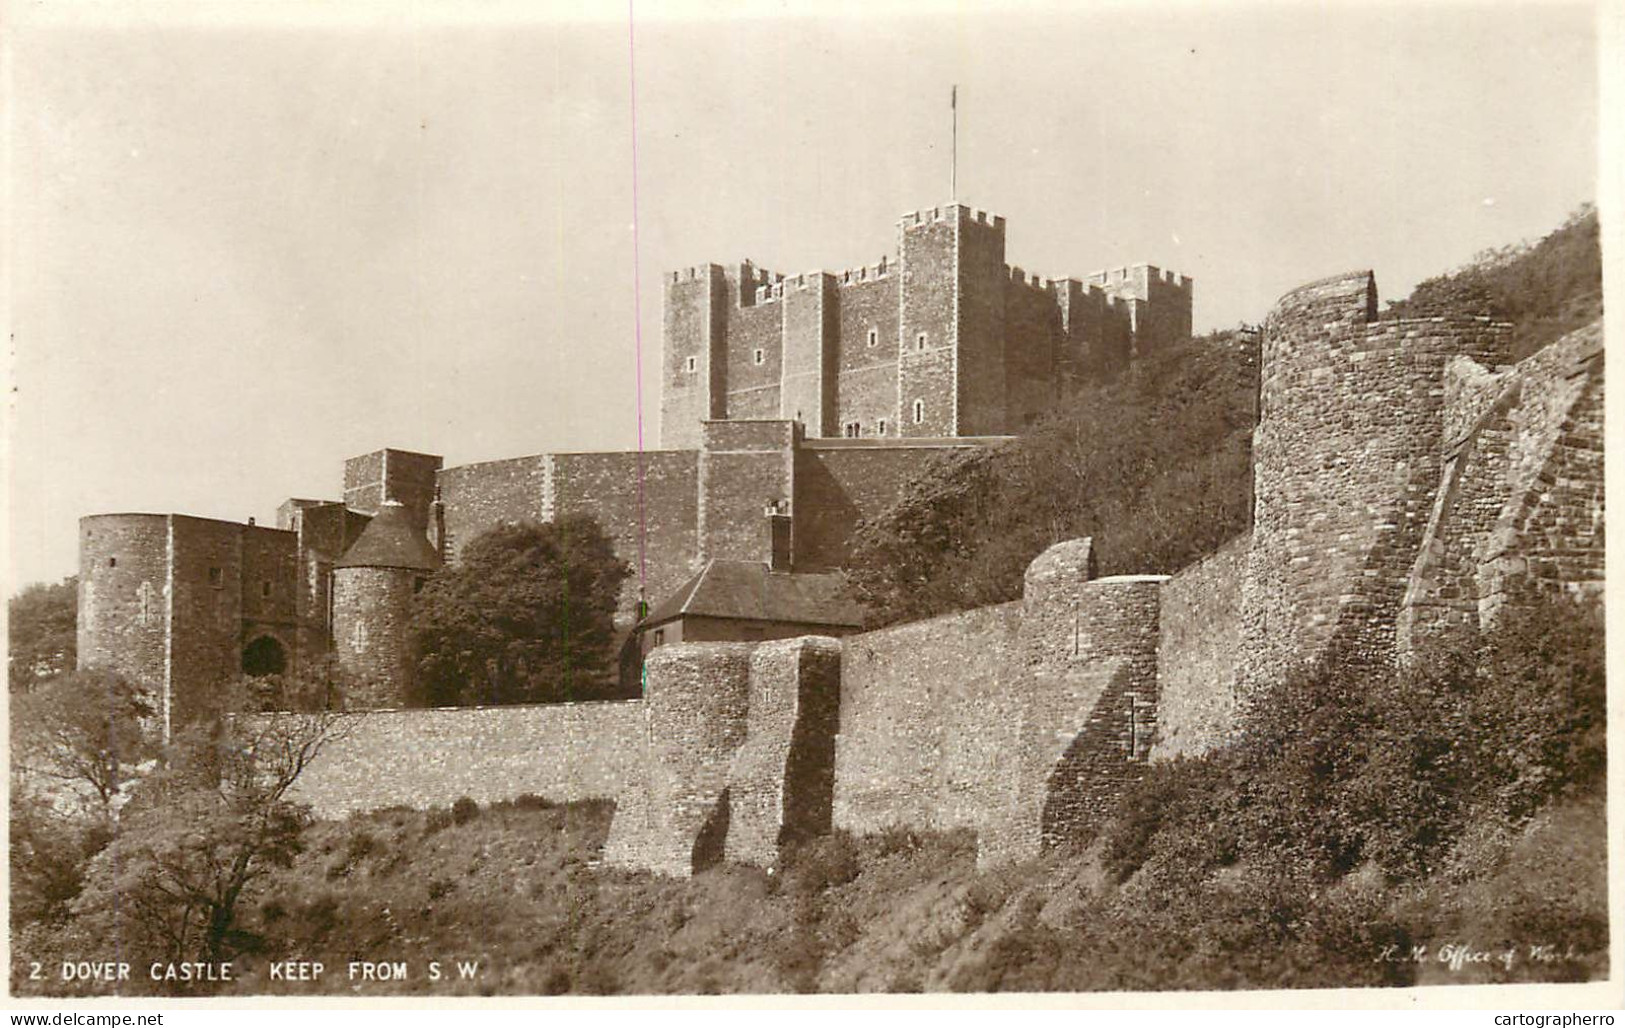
[[391, 541]]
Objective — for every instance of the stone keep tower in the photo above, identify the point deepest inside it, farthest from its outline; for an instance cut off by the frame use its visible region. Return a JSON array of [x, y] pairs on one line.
[[373, 586], [943, 340]]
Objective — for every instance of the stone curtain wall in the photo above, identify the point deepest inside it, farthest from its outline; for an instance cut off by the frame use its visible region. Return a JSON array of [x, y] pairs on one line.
[[840, 482], [1347, 458], [478, 497], [745, 466], [657, 537], [653, 531], [1199, 654], [695, 719], [927, 722], [431, 758]]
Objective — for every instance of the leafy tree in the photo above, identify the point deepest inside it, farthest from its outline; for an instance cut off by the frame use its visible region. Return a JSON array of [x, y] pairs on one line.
[[49, 850], [200, 832], [84, 731], [527, 616], [43, 633], [1155, 465], [1546, 289]]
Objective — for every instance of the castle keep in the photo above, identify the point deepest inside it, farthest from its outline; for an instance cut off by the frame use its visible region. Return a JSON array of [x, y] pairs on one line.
[[944, 339], [1411, 485]]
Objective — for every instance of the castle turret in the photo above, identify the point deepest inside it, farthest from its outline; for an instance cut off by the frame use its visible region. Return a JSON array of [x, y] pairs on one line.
[[373, 586], [1346, 462]]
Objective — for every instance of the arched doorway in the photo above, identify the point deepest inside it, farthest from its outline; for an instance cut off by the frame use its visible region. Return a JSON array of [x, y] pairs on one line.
[[264, 656]]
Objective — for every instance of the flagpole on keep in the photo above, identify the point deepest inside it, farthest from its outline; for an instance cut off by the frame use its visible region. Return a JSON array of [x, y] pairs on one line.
[[953, 155]]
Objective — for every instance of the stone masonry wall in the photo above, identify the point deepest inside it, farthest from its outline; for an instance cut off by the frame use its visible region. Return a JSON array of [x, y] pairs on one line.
[[927, 722], [983, 333], [428, 758], [1346, 464], [390, 474], [206, 624], [928, 245], [695, 332], [123, 616], [840, 482], [371, 639], [1550, 535], [1031, 359], [655, 532], [753, 389], [810, 340], [695, 715], [1198, 659], [782, 778], [1088, 692], [653, 525], [866, 382], [744, 466]]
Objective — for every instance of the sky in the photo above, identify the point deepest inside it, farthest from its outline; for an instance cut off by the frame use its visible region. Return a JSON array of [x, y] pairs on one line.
[[246, 242]]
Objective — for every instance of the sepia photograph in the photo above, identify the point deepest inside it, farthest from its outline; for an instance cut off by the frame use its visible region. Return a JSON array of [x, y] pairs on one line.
[[773, 499]]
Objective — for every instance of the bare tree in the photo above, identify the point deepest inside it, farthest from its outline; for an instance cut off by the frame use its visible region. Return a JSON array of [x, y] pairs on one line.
[[199, 833]]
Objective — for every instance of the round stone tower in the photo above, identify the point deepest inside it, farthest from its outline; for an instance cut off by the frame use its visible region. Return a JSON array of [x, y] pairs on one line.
[[124, 590], [373, 586], [1347, 458]]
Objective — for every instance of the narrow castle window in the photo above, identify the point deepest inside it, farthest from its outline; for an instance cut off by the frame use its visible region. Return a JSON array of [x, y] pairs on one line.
[[874, 337], [880, 427], [919, 341], [112, 562], [919, 411], [691, 364], [759, 356], [217, 578], [265, 589]]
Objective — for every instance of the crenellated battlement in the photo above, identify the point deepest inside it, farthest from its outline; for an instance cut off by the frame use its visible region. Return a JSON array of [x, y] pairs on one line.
[[868, 273], [1018, 277], [930, 215], [693, 274]]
